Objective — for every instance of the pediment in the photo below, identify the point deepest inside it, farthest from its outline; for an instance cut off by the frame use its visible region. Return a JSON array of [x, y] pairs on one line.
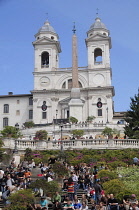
[[44, 40], [98, 36], [67, 100]]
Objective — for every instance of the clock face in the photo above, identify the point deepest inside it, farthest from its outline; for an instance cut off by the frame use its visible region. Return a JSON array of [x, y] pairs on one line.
[[44, 81]]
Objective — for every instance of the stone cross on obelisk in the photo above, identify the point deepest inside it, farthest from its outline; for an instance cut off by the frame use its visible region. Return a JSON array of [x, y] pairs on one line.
[[75, 104]]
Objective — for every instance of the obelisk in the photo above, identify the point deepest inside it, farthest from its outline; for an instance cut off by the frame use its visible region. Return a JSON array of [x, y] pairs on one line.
[[75, 104]]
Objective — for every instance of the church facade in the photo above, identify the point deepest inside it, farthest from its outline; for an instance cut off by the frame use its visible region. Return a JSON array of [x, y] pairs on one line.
[[54, 96]]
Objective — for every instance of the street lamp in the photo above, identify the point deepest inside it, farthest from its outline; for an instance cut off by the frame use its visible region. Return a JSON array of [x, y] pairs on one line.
[[61, 146], [107, 115], [15, 146], [56, 115]]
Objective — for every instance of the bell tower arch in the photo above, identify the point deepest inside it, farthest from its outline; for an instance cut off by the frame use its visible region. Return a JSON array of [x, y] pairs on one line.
[[98, 45]]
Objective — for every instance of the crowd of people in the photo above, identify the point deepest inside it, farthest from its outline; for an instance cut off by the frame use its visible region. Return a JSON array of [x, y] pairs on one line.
[[81, 177]]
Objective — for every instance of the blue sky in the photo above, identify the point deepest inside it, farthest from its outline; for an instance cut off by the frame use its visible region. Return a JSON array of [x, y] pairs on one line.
[[21, 19]]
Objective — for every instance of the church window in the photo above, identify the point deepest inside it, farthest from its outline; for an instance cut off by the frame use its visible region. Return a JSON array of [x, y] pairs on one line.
[[18, 101], [5, 121], [98, 56], [6, 108], [104, 34], [45, 60], [64, 85], [99, 112], [30, 101], [52, 37], [17, 112], [69, 84], [44, 115], [30, 114]]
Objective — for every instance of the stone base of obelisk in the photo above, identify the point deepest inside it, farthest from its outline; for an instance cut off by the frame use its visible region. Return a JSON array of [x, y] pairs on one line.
[[76, 105]]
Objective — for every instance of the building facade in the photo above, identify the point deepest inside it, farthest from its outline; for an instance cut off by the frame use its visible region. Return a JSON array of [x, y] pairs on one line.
[[51, 97]]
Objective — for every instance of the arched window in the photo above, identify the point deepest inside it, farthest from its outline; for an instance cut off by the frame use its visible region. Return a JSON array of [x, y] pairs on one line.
[[6, 108], [98, 56], [68, 84], [64, 85], [45, 60], [5, 121]]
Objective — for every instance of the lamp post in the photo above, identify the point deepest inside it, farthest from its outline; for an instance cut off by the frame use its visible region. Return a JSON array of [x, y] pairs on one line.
[[107, 115], [15, 146], [61, 146], [56, 115]]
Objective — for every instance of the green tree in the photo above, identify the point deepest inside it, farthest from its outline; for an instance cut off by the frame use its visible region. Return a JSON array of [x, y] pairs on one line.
[[73, 120], [49, 188], [77, 133], [29, 124], [41, 135], [21, 200], [132, 118], [10, 131], [107, 132], [90, 118]]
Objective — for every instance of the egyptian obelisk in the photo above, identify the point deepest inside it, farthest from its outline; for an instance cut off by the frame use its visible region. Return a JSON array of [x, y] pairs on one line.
[[75, 104]]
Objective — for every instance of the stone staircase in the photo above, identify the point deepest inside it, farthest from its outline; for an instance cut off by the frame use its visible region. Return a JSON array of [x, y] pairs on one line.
[[1, 204]]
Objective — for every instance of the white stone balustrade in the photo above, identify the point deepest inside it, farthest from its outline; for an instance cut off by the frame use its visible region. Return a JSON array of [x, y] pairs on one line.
[[72, 144]]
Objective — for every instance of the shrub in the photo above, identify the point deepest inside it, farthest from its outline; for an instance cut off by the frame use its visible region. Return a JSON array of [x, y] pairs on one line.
[[20, 200], [49, 188], [78, 133], [115, 187], [41, 135], [59, 169], [10, 131], [29, 124], [73, 120], [105, 175]]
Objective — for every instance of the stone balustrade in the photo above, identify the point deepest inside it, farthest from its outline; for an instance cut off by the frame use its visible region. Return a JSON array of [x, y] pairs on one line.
[[71, 144]]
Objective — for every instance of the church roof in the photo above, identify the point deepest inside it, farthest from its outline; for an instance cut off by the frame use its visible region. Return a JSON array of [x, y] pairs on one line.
[[98, 24], [47, 27]]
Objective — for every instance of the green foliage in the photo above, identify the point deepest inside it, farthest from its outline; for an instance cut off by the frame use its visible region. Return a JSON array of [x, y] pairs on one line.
[[73, 119], [77, 133], [28, 154], [90, 118], [41, 135], [113, 165], [105, 175], [130, 178], [132, 118], [59, 169], [49, 188], [29, 124], [20, 200], [107, 131], [116, 187], [10, 131]]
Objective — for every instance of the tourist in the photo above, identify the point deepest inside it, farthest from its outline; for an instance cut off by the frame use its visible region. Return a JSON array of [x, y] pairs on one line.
[[56, 197], [112, 203], [68, 205], [77, 205], [43, 202], [57, 206]]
